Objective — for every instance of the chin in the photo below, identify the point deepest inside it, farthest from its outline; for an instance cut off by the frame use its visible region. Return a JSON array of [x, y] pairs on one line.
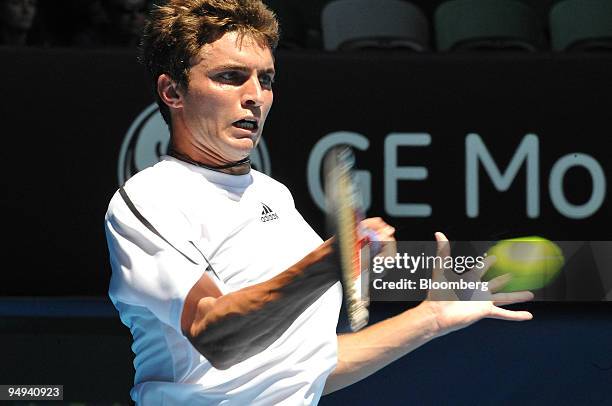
[[244, 147], [238, 154]]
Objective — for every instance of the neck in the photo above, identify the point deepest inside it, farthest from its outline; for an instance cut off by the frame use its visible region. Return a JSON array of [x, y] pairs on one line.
[[241, 167]]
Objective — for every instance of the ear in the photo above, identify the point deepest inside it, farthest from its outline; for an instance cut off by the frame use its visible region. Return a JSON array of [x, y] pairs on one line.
[[167, 89]]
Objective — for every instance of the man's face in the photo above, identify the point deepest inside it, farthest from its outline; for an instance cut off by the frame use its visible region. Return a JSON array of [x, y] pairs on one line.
[[18, 14], [228, 98], [128, 16]]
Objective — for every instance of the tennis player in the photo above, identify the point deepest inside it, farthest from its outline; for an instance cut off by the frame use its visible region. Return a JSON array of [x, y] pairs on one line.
[[230, 295]]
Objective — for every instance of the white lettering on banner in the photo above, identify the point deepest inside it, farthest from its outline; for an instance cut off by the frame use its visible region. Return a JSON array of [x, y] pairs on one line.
[[557, 194], [393, 173], [476, 152], [528, 150]]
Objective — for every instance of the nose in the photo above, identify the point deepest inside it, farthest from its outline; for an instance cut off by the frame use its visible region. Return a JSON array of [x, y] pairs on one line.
[[253, 93]]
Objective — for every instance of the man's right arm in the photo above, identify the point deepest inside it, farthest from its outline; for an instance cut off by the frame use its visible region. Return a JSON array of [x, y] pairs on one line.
[[225, 328], [230, 328]]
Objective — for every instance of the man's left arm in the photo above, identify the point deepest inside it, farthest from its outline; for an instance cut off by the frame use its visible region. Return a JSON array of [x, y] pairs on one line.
[[363, 353]]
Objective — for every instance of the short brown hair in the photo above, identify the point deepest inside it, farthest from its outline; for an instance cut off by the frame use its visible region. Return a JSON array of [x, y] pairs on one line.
[[177, 29]]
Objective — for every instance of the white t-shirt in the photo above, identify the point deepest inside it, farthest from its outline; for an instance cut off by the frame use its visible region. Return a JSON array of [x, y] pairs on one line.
[[249, 229]]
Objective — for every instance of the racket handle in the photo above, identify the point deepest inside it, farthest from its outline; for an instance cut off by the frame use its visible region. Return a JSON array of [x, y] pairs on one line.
[[372, 239]]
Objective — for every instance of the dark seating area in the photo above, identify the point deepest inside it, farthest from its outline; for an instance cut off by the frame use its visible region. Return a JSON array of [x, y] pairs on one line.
[[339, 25]]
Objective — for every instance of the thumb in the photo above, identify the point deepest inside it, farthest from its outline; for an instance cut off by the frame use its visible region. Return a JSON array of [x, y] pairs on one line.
[[443, 246]]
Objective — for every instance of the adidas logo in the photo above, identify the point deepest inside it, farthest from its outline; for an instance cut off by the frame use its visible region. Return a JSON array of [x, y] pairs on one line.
[[268, 214]]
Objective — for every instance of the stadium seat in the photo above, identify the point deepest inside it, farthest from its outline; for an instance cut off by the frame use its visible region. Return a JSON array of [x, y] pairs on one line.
[[581, 25], [378, 24], [292, 27], [487, 25]]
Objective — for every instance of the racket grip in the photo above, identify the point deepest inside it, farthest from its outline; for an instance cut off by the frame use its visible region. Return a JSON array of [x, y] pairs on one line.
[[375, 244]]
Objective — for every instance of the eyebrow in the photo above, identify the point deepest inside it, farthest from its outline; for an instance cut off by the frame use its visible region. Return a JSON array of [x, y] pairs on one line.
[[242, 68]]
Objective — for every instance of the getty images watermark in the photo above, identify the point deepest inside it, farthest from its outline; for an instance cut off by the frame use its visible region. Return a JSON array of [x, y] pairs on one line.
[[411, 264], [475, 270]]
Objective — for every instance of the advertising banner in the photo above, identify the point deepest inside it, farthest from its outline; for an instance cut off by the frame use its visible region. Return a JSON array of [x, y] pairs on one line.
[[482, 147]]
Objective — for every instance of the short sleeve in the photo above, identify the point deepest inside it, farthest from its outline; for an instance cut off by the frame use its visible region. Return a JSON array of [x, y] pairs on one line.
[[146, 270]]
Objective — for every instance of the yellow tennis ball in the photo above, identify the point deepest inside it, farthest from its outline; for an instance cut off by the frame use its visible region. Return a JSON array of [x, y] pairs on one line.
[[533, 262]]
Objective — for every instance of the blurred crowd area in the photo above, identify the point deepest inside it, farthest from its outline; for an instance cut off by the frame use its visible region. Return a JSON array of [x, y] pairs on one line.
[[118, 23], [337, 25], [107, 23], [72, 23]]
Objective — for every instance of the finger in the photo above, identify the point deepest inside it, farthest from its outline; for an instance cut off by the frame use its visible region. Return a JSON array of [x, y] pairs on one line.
[[386, 233], [443, 246], [487, 263], [389, 248], [505, 314], [373, 222], [442, 251], [496, 284], [512, 297], [378, 225]]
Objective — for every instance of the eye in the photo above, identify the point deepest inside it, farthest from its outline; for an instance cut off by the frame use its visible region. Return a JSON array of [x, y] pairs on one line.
[[232, 77], [266, 81]]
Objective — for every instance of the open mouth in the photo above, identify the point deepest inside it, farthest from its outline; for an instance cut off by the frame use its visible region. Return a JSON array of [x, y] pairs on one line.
[[246, 124]]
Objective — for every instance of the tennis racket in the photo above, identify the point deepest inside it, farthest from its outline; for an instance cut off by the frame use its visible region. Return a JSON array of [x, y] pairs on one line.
[[344, 213]]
